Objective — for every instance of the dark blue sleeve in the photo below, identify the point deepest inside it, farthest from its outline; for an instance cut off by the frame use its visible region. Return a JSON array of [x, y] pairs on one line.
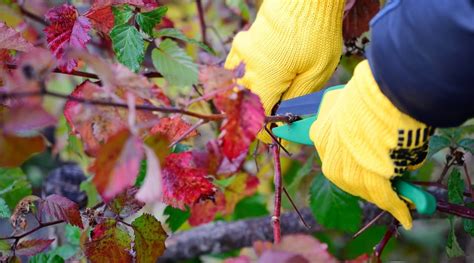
[[422, 57]]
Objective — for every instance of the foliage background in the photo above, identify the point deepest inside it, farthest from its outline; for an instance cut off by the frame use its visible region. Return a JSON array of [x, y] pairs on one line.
[[432, 240]]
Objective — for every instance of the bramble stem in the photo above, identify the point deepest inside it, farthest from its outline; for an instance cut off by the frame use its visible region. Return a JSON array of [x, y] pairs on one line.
[[212, 117], [202, 21], [40, 226], [391, 231], [278, 189], [471, 191], [185, 134]]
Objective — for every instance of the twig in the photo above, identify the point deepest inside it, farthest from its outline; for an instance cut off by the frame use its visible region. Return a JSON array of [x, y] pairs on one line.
[[88, 74], [40, 226], [435, 184], [471, 191], [445, 170], [371, 223], [278, 188], [212, 117], [391, 231], [296, 208], [32, 16], [276, 141], [185, 134], [282, 118], [202, 21], [454, 209]]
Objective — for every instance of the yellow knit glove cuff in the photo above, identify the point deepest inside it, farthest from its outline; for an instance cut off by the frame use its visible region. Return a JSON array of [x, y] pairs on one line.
[[364, 141], [292, 49]]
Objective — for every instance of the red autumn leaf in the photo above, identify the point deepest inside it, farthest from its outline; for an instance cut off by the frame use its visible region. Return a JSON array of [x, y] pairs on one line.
[[357, 18], [61, 208], [102, 18], [205, 211], [117, 164], [95, 124], [183, 182], [160, 95], [67, 30], [245, 118], [125, 204], [173, 128], [11, 39], [150, 238], [25, 118], [215, 162], [32, 247], [15, 150], [108, 242]]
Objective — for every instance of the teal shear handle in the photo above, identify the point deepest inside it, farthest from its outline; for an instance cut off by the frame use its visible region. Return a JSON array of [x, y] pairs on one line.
[[424, 202]]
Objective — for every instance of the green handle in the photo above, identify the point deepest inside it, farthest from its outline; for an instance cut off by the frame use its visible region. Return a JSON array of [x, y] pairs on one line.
[[425, 202]]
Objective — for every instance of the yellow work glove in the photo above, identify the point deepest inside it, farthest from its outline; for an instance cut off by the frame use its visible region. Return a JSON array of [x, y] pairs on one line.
[[291, 49], [364, 141]]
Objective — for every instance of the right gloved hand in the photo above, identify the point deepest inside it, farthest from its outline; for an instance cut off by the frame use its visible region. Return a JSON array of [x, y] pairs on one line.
[[364, 141], [292, 49]]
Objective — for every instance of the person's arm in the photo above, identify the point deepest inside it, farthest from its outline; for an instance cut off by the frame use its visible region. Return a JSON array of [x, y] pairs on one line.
[[418, 75], [422, 57]]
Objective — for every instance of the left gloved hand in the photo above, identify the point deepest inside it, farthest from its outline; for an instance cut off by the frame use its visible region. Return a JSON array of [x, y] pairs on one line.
[[291, 49], [364, 141]]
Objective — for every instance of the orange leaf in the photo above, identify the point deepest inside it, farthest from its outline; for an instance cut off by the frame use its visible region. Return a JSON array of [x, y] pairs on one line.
[[15, 150]]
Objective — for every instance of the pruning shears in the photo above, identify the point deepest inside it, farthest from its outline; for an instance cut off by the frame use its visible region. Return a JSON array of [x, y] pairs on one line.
[[307, 107]]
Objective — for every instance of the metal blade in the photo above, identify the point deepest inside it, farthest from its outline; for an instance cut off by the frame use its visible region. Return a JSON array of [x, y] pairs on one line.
[[304, 105]]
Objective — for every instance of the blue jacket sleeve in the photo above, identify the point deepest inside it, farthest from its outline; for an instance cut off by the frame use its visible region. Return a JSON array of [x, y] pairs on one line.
[[422, 57]]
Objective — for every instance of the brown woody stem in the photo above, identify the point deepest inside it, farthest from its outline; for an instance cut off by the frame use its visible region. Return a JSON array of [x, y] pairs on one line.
[[278, 189], [202, 21]]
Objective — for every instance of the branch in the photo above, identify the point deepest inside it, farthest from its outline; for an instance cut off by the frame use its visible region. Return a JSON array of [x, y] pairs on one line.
[[218, 237], [89, 75], [277, 198], [202, 21], [211, 117], [40, 226]]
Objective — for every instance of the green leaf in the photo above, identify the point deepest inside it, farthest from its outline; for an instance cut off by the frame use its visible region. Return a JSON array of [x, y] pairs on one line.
[[455, 187], [467, 144], [452, 247], [469, 223], [91, 191], [334, 208], [4, 209], [179, 148], [250, 207], [46, 258], [73, 234], [122, 14], [13, 186], [149, 20], [128, 46], [365, 243], [141, 174], [5, 248], [149, 238], [175, 65], [176, 217], [175, 33], [437, 143]]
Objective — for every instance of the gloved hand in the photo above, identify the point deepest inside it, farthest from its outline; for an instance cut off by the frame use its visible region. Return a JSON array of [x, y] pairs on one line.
[[291, 49], [364, 141]]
